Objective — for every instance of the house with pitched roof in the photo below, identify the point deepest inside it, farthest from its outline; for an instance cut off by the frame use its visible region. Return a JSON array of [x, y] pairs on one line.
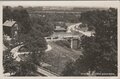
[[11, 29]]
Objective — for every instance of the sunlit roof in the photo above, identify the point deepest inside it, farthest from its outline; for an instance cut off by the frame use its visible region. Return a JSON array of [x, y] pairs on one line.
[[9, 23]]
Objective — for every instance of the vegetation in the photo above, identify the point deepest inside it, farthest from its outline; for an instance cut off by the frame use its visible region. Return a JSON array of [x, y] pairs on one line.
[[60, 17], [57, 14], [9, 63], [15, 68], [31, 35], [99, 51], [7, 13], [41, 25], [26, 68]]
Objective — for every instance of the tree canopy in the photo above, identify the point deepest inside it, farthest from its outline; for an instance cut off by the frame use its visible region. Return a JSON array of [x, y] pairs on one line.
[[99, 51], [31, 35]]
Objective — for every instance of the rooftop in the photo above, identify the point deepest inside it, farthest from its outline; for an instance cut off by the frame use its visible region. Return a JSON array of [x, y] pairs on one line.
[[9, 23], [65, 34], [59, 28]]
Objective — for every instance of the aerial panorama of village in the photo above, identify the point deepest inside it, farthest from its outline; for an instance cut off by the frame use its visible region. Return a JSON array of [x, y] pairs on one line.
[[59, 41]]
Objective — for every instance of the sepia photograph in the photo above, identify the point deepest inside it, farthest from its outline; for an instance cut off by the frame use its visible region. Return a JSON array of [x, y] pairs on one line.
[[60, 39]]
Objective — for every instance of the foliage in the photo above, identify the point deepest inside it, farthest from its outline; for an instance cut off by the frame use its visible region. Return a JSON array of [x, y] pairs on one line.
[[21, 16], [15, 68], [9, 63], [7, 13], [69, 69], [31, 35], [26, 68], [32, 30], [100, 50], [6, 43]]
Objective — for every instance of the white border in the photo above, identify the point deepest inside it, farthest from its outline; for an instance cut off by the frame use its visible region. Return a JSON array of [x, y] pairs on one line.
[[106, 4]]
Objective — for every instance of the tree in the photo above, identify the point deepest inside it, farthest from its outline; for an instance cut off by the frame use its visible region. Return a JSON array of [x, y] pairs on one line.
[[9, 63], [100, 50], [26, 68], [7, 13], [42, 25], [36, 44], [32, 37], [15, 68], [22, 17], [69, 69]]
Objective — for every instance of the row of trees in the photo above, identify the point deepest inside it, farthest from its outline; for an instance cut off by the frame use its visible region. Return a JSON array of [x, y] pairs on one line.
[[99, 51]]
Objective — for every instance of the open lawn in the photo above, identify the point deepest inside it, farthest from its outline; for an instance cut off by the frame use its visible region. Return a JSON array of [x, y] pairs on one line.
[[58, 56]]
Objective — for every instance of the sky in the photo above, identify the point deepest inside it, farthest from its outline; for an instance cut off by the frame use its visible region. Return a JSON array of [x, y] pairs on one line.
[[100, 4]]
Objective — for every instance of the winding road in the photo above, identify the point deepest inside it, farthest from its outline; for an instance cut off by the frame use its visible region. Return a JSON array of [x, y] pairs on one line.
[[48, 48], [74, 28], [15, 53]]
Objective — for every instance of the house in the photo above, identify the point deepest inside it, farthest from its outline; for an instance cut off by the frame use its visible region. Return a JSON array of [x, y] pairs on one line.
[[58, 33], [61, 34], [59, 29], [11, 29]]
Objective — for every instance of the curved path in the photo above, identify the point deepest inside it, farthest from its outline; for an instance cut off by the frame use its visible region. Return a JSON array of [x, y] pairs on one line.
[[74, 28], [48, 48], [40, 70], [16, 53]]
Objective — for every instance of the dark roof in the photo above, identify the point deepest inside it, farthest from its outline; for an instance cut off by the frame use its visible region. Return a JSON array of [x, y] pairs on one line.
[[9, 23]]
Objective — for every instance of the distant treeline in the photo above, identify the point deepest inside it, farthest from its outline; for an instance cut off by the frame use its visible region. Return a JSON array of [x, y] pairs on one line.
[[64, 14], [65, 9]]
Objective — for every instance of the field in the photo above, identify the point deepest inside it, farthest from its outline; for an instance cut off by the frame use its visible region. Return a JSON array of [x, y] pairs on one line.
[[58, 56]]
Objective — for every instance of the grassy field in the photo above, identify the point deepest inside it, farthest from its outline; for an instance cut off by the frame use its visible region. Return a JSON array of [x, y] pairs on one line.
[[58, 56]]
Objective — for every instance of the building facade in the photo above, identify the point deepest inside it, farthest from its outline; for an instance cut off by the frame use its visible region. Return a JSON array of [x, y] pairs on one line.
[[11, 29]]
